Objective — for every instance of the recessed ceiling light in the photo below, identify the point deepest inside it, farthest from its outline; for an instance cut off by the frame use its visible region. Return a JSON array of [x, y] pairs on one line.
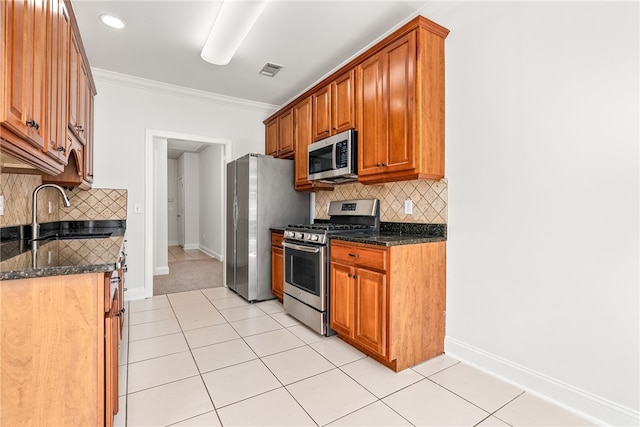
[[112, 21]]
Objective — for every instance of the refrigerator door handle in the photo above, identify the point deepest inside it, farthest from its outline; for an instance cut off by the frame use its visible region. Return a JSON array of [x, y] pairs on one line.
[[235, 213], [301, 248]]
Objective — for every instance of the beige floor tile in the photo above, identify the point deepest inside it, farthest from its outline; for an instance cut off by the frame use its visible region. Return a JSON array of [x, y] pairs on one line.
[[483, 390], [255, 325], [150, 316], [159, 301], [120, 420], [197, 307], [235, 383], [234, 301], [200, 319], [153, 329], [210, 419], [375, 415], [492, 422], [273, 342], [210, 335], [218, 293], [435, 365], [274, 408], [241, 313], [185, 298], [161, 370], [428, 404], [168, 403], [528, 410], [337, 351], [122, 379], [221, 355], [123, 353], [378, 379], [270, 307], [285, 319], [296, 364], [330, 395], [306, 334], [156, 347]]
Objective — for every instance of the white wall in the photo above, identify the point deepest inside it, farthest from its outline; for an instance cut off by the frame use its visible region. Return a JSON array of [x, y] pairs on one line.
[[172, 201], [191, 175], [542, 160], [125, 108], [212, 203]]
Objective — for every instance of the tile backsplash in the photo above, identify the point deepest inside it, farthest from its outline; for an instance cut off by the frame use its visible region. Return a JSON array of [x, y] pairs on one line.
[[429, 199], [97, 203]]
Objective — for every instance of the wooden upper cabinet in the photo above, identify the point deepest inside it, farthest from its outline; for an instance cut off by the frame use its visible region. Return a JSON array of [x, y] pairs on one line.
[[25, 85], [334, 106], [400, 104], [285, 133], [279, 140], [271, 138], [302, 139]]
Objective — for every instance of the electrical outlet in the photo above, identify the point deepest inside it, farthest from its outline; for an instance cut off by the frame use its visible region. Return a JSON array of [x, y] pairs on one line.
[[1, 205], [408, 207]]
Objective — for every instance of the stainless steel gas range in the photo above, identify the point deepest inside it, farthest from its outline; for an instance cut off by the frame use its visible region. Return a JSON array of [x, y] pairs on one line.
[[306, 259]]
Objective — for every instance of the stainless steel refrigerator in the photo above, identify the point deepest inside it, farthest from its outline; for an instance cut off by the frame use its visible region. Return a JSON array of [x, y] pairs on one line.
[[260, 195]]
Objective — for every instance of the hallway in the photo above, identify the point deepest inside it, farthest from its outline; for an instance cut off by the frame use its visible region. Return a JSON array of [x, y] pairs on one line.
[[189, 270]]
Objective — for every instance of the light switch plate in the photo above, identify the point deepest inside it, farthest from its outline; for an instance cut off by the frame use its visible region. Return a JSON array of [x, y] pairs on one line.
[[137, 208], [408, 207], [1, 205]]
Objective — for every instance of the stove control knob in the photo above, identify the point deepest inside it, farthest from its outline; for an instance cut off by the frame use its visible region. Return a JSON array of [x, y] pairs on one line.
[[288, 234], [314, 237], [297, 235], [307, 236]]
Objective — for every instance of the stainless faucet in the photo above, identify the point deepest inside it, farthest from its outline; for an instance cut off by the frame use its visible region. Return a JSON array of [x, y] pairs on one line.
[[35, 227]]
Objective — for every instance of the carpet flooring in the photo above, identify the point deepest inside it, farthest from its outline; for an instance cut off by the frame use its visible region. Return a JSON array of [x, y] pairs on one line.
[[189, 276]]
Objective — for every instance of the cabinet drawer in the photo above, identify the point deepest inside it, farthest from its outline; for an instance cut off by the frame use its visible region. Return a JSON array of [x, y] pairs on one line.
[[277, 239], [360, 255]]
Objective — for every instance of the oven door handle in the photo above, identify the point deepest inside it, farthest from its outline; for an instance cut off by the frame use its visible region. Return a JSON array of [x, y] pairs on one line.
[[309, 249]]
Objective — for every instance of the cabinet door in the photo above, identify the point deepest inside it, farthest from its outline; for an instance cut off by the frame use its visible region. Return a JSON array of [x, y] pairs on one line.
[[271, 138], [321, 113], [371, 310], [285, 133], [88, 132], [372, 122], [277, 271], [75, 59], [24, 86], [343, 103], [55, 132], [341, 299], [111, 327], [302, 139], [400, 59]]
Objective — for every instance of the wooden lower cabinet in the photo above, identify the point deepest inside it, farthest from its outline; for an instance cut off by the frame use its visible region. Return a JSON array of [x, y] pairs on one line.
[[389, 302], [59, 352], [277, 264]]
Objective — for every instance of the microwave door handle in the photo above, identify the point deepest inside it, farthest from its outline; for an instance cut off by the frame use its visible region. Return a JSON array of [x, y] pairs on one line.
[[333, 158], [301, 248]]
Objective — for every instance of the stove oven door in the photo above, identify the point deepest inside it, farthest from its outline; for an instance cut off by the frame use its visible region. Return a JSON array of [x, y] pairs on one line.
[[305, 273]]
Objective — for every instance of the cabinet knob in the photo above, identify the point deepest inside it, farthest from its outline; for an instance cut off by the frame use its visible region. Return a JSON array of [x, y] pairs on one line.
[[79, 128], [384, 164], [33, 124], [62, 149]]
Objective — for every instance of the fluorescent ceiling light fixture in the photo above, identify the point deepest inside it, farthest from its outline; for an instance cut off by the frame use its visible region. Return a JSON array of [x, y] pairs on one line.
[[112, 21], [234, 21]]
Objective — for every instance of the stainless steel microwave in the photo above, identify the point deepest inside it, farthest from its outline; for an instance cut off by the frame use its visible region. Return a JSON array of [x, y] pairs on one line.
[[334, 159]]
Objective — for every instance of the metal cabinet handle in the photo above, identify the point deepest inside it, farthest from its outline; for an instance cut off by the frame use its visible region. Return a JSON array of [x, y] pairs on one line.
[[354, 255], [33, 124], [62, 149]]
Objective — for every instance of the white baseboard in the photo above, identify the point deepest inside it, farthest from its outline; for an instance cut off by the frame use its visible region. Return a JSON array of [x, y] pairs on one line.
[[210, 252], [133, 294], [587, 405], [173, 243], [191, 246], [161, 271]]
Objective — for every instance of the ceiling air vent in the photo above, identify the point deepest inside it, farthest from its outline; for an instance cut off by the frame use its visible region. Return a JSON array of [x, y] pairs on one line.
[[270, 69]]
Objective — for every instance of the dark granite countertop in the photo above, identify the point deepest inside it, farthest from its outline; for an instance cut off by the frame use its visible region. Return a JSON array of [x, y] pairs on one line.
[[278, 229], [66, 247], [399, 233]]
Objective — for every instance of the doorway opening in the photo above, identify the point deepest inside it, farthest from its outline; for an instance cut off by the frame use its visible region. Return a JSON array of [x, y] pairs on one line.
[[157, 202]]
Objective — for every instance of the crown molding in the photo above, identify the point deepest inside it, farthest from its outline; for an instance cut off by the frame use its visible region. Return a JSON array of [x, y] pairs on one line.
[[174, 90]]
